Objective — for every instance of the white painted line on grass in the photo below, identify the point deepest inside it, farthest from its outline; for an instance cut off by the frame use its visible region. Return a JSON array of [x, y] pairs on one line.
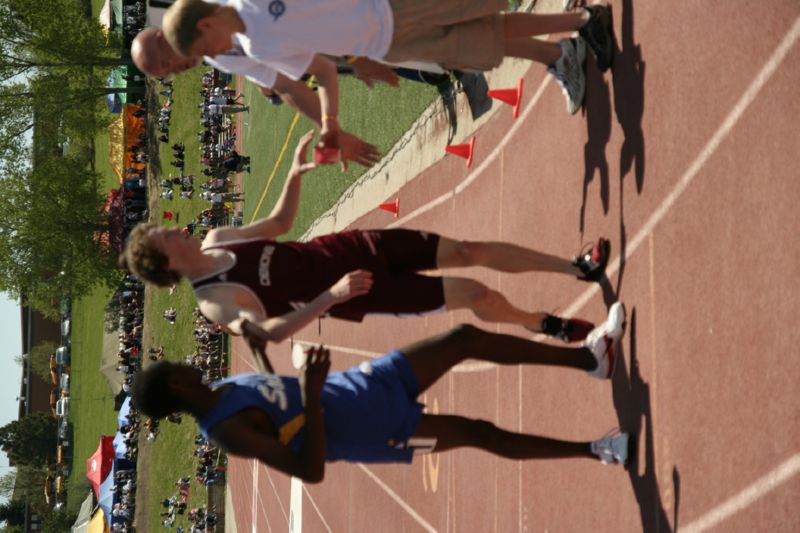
[[400, 501], [754, 492]]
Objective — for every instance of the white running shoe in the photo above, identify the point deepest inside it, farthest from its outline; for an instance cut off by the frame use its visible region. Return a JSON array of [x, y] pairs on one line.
[[613, 448], [569, 73], [602, 341]]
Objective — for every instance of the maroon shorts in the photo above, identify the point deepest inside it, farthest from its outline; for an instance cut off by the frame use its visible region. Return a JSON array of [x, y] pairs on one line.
[[395, 258]]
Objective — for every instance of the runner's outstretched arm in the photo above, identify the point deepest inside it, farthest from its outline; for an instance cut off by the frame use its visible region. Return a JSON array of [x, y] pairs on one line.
[[298, 96], [281, 219]]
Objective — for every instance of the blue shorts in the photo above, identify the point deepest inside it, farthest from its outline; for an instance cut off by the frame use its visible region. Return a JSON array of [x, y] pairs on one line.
[[371, 411]]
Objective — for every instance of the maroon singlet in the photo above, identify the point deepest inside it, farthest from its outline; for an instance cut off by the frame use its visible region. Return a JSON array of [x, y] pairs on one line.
[[286, 275]]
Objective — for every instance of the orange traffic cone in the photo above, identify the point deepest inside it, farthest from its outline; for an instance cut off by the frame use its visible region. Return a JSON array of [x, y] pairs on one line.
[[168, 215], [392, 207], [462, 150], [512, 97]]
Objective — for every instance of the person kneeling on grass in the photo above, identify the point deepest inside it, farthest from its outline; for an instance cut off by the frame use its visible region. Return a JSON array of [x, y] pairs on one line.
[[243, 273], [370, 413]]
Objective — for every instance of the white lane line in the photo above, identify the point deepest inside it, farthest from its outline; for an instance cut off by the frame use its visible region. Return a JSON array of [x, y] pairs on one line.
[[319, 513], [266, 515], [275, 490], [708, 150], [400, 501], [660, 212], [296, 506], [461, 368], [754, 492], [255, 501], [251, 364], [475, 174]]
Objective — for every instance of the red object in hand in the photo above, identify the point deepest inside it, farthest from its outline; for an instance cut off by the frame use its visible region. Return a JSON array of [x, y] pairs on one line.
[[327, 156]]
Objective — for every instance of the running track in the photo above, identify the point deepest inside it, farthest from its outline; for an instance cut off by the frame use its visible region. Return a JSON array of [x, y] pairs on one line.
[[685, 158]]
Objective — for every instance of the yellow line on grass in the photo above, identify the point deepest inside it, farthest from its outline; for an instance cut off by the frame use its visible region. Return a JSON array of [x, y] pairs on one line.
[[277, 164], [280, 157]]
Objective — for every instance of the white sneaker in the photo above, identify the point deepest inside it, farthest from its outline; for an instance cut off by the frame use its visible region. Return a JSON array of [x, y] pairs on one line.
[[603, 339], [569, 73], [613, 448]]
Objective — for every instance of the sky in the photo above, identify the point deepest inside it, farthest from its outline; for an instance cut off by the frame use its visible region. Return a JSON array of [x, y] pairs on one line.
[[11, 374]]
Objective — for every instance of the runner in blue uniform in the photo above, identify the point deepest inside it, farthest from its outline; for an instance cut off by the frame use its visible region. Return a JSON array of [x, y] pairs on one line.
[[370, 413]]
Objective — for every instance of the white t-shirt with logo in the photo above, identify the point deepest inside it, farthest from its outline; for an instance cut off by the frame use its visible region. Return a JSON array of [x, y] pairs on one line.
[[237, 62], [286, 34]]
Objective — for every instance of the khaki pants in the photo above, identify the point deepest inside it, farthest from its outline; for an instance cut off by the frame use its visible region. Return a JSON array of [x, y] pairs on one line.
[[456, 34]]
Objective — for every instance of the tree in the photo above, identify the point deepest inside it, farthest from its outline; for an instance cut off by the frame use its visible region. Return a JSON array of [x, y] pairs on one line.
[[7, 484], [12, 512], [69, 49], [49, 219], [39, 359], [30, 440], [58, 521], [25, 485]]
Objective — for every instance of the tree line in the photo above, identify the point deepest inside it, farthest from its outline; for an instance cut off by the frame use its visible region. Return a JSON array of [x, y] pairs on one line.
[[54, 62]]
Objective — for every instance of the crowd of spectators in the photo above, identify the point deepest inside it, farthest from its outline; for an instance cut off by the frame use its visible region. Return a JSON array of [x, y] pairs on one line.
[[124, 507], [131, 322], [134, 18], [218, 155]]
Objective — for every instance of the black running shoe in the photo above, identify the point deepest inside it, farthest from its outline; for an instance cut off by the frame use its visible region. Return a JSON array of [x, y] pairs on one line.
[[592, 263], [566, 329], [599, 35]]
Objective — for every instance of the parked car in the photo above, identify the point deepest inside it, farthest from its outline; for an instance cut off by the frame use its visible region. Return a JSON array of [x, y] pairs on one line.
[[63, 384], [62, 356], [49, 488], [65, 306], [53, 369], [63, 431], [65, 328], [62, 407]]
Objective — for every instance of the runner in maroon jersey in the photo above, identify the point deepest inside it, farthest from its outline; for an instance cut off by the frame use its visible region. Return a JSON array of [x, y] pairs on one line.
[[242, 273]]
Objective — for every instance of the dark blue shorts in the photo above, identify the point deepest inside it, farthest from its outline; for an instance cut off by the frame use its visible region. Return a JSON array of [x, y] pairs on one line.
[[371, 411]]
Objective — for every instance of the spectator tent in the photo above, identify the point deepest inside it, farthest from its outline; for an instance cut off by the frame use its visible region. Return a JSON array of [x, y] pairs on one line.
[[99, 464]]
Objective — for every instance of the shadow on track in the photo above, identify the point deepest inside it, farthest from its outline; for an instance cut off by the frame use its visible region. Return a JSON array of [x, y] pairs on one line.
[[598, 124], [633, 405], [628, 84], [628, 80]]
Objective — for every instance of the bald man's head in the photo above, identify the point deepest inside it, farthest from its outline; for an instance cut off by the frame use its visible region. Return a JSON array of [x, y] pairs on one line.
[[153, 55]]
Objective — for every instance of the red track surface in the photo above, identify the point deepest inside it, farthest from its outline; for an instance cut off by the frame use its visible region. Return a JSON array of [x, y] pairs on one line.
[[703, 212]]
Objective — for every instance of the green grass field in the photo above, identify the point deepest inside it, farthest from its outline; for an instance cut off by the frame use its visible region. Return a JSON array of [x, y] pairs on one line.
[[91, 400], [379, 116]]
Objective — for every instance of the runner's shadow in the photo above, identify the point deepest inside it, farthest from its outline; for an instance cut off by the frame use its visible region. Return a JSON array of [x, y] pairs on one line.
[[633, 405], [598, 125], [628, 80]]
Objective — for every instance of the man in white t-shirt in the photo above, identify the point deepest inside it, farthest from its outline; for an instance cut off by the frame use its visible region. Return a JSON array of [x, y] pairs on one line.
[[153, 55], [456, 34]]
